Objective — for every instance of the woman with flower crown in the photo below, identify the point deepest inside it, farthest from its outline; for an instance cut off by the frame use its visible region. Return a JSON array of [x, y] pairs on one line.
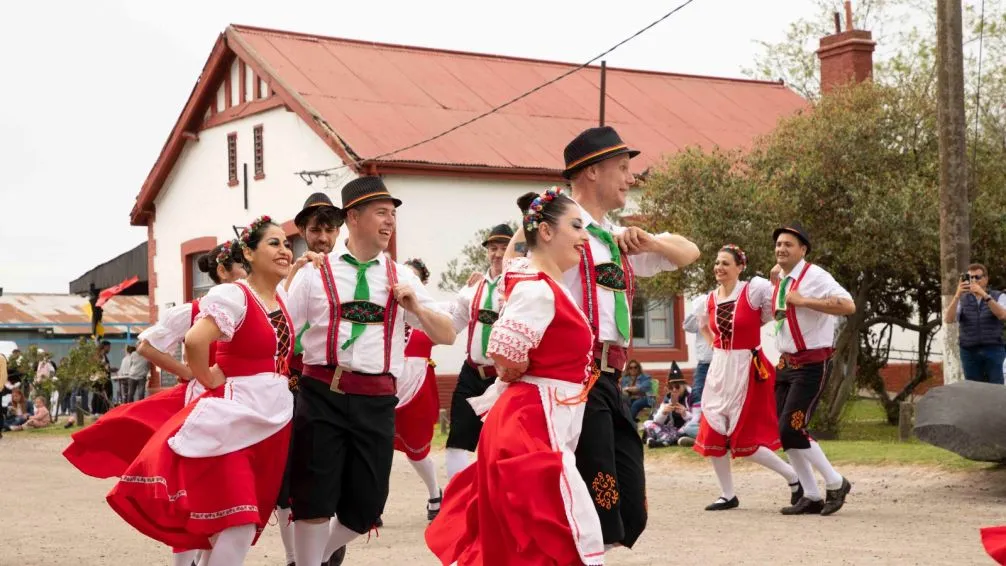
[[738, 402], [106, 448], [523, 501], [209, 476]]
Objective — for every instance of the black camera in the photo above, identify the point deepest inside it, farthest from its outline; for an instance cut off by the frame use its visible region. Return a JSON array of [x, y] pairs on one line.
[[965, 278]]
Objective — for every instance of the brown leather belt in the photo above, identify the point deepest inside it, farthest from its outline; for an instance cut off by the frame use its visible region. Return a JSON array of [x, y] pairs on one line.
[[485, 372], [610, 357], [341, 380], [804, 357]]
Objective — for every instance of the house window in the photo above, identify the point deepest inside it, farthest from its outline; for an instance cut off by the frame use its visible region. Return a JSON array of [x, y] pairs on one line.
[[652, 323], [259, 165], [232, 159], [201, 282]]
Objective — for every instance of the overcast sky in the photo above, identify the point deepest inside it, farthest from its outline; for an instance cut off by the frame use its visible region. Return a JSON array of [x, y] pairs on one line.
[[91, 90]]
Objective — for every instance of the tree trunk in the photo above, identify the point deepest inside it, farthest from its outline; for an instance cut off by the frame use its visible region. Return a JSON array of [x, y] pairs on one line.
[[842, 378], [955, 230]]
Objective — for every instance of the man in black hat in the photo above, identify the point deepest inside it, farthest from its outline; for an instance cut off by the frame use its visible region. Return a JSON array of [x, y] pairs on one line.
[[808, 301], [476, 308], [357, 305], [610, 453]]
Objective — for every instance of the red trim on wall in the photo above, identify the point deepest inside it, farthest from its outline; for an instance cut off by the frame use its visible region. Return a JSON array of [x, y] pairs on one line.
[[290, 229], [258, 149], [189, 249], [227, 88], [258, 87], [155, 377], [465, 171], [241, 111], [232, 159]]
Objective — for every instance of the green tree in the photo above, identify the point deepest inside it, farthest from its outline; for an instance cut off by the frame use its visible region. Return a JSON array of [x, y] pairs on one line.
[[472, 260]]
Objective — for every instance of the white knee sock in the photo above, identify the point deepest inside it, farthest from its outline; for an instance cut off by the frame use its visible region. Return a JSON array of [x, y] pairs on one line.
[[184, 558], [339, 535], [428, 471], [801, 465], [768, 458], [230, 547], [832, 479], [457, 460], [721, 465], [286, 532], [309, 542]]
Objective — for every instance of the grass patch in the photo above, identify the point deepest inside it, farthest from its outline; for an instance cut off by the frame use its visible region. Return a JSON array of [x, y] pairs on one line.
[[51, 430]]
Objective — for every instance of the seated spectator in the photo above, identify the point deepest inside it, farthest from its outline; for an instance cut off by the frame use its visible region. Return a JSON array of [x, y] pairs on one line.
[[669, 425], [39, 419], [637, 388], [18, 411]]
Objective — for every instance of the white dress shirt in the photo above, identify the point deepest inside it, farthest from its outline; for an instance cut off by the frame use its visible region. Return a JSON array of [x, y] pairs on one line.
[[644, 265], [170, 328], [308, 304], [818, 328], [461, 309], [703, 349]]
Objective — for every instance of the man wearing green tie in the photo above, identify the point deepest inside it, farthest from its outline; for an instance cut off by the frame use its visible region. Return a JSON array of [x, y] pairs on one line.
[[476, 308], [609, 455], [356, 306]]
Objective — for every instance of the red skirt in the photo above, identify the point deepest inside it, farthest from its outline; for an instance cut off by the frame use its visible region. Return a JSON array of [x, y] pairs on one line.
[[415, 421], [505, 509], [106, 448], [994, 541], [757, 426], [183, 501]]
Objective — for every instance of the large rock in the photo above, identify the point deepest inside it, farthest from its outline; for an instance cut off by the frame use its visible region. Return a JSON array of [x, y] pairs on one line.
[[967, 418]]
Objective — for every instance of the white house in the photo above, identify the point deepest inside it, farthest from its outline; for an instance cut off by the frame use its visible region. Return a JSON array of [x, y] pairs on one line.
[[270, 104]]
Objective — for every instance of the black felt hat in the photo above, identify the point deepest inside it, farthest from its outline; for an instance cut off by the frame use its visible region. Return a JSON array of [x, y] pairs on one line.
[[796, 229], [310, 205], [594, 145], [499, 233], [363, 190], [675, 375]]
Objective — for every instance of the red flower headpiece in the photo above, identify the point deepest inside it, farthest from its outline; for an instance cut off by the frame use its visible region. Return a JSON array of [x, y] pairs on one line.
[[736, 249], [533, 216], [255, 225]]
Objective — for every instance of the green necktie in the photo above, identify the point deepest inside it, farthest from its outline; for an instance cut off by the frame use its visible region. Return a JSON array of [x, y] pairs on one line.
[[621, 305], [362, 293], [488, 305], [781, 304]]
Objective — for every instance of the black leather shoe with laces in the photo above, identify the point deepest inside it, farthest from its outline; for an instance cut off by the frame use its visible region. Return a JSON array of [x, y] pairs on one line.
[[835, 498], [804, 507]]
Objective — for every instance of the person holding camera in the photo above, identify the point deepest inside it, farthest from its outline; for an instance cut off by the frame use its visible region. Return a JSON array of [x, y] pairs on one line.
[[980, 312]]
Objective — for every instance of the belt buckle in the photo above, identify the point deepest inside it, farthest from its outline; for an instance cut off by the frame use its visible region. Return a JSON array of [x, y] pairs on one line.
[[335, 380], [481, 371], [604, 367]]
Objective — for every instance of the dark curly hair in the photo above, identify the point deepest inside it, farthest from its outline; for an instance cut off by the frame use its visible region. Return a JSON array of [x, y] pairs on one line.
[[326, 216], [420, 266], [209, 261]]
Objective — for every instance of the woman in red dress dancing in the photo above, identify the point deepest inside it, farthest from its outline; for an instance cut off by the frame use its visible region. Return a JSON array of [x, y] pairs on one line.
[[106, 448], [419, 404], [523, 502], [738, 402]]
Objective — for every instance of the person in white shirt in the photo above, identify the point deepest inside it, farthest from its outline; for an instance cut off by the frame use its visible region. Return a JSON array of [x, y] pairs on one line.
[[703, 350], [807, 302], [609, 455], [356, 303], [476, 307]]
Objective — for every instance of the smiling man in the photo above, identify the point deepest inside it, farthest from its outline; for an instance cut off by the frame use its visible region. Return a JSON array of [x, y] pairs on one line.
[[808, 302], [357, 305]]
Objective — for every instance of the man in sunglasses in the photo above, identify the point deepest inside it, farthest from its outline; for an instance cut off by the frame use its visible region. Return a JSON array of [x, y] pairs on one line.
[[980, 313]]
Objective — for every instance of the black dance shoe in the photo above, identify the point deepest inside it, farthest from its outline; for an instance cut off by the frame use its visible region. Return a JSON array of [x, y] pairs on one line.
[[722, 504], [835, 498], [804, 507]]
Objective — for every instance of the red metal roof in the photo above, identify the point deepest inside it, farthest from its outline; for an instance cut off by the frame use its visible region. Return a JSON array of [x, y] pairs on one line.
[[376, 98]]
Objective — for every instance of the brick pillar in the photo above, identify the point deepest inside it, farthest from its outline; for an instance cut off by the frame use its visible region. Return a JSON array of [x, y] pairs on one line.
[[846, 56], [154, 384]]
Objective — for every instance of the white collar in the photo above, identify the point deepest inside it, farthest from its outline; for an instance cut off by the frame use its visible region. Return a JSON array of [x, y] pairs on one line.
[[588, 219], [796, 269], [341, 249]]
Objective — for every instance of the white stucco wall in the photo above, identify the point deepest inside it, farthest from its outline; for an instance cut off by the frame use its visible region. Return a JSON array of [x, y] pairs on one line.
[[196, 201]]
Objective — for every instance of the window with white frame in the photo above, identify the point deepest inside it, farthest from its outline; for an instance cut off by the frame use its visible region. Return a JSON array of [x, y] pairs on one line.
[[652, 323], [201, 282]]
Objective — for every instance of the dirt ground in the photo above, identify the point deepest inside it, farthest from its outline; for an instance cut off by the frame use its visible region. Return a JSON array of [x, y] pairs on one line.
[[52, 514]]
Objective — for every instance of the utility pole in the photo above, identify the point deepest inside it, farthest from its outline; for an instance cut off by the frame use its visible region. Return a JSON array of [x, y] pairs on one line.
[[955, 222]]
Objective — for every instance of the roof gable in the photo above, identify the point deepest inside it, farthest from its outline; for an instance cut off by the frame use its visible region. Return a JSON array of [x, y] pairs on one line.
[[367, 99]]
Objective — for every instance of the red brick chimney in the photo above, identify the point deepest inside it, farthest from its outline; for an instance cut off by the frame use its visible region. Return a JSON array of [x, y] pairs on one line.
[[847, 55]]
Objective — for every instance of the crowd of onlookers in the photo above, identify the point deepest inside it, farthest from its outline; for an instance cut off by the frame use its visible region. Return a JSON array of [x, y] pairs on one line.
[[95, 396]]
